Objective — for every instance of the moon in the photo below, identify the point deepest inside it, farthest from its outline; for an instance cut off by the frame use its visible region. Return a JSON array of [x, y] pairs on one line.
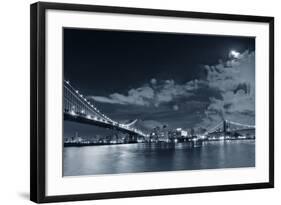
[[234, 54]]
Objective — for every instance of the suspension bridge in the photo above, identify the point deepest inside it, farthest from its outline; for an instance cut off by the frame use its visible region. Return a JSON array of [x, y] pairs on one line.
[[227, 127], [79, 109]]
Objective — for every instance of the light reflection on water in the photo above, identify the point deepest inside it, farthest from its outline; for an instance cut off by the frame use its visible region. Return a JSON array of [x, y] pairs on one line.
[[131, 158]]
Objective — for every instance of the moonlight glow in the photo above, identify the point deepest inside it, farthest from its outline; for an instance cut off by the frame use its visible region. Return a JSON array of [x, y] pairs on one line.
[[234, 54]]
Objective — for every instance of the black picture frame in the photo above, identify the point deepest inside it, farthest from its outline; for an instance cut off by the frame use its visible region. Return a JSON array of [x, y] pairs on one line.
[[38, 101]]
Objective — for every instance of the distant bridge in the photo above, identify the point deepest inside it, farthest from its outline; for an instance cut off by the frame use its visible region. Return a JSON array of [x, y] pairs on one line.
[[77, 108], [228, 127]]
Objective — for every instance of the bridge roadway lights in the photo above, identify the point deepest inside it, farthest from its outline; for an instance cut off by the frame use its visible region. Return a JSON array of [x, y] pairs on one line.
[[75, 97], [85, 120]]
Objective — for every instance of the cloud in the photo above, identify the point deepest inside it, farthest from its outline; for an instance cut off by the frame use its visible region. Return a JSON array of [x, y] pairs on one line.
[[140, 96], [153, 94], [235, 81], [227, 91]]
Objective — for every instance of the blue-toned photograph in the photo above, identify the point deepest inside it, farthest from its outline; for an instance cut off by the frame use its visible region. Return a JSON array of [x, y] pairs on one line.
[[138, 102]]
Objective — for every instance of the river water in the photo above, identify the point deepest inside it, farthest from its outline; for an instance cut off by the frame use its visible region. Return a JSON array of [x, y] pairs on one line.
[[132, 158]]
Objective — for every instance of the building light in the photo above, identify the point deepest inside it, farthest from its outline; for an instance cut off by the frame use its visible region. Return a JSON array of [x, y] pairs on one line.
[[183, 133], [72, 112]]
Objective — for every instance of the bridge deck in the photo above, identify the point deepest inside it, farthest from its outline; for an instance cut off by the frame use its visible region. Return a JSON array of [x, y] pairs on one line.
[[84, 120]]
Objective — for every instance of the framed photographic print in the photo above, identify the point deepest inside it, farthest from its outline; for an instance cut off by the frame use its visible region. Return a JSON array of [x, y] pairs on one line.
[[129, 102]]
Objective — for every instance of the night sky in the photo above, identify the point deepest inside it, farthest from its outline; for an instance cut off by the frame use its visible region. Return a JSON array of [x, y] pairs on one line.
[[180, 80]]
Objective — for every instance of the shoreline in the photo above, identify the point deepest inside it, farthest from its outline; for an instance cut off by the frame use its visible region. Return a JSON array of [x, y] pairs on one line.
[[161, 142]]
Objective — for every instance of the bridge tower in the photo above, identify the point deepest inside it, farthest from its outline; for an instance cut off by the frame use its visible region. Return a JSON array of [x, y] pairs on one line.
[[226, 126]]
